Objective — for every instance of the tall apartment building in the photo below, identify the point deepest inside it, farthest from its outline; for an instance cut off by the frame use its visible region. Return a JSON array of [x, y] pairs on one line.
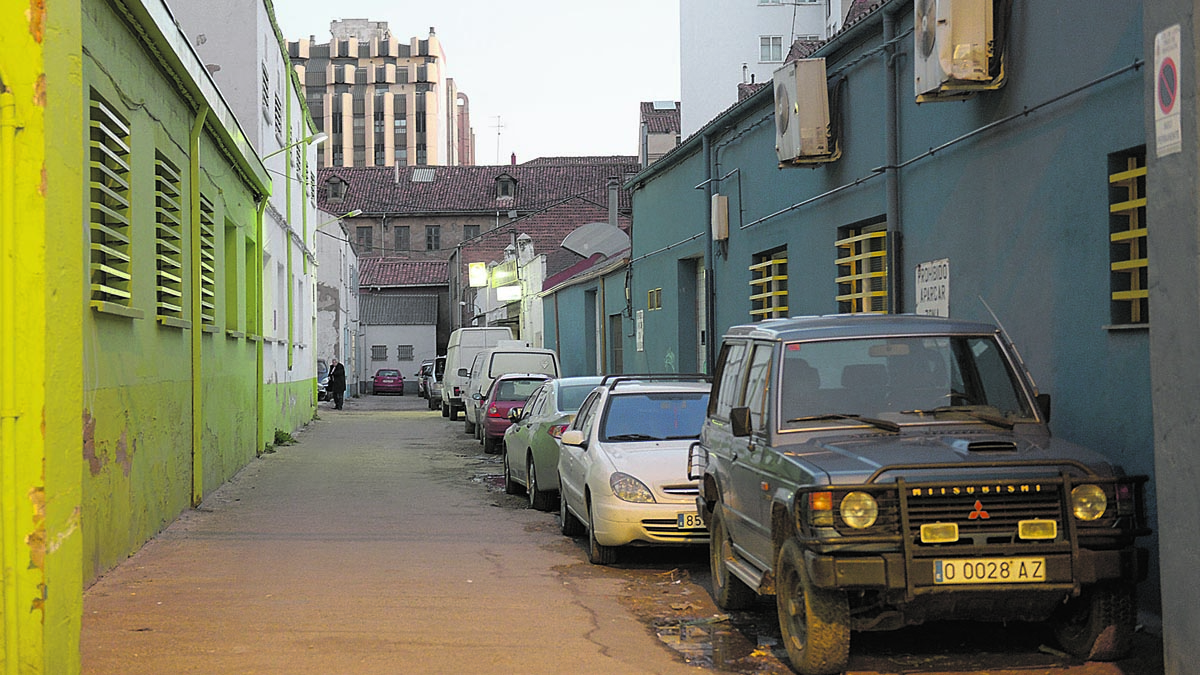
[[381, 101]]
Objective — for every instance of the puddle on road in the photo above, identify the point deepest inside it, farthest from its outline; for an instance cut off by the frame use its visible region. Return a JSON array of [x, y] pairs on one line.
[[716, 643], [493, 482]]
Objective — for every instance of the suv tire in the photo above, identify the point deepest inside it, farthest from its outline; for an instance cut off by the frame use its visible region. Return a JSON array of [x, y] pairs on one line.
[[1099, 624], [729, 592], [814, 622]]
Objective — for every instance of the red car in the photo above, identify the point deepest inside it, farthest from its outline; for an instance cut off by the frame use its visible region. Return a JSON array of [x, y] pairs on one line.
[[388, 381], [507, 392]]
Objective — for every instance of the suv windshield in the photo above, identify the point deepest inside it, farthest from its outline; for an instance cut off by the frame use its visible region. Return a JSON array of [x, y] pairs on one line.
[[899, 378], [654, 417]]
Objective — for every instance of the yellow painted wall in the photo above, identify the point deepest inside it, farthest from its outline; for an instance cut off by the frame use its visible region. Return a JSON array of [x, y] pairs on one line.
[[40, 383]]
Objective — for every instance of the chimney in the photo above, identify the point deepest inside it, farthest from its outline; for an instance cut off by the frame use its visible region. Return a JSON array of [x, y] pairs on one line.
[[613, 184], [514, 159]]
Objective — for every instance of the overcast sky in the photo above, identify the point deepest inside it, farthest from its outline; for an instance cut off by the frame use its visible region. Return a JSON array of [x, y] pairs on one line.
[[562, 78]]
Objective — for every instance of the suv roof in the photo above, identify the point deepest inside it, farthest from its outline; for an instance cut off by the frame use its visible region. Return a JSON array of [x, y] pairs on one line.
[[858, 325]]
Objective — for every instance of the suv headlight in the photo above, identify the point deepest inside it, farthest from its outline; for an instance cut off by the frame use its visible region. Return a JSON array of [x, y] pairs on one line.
[[859, 510], [1088, 502], [629, 489]]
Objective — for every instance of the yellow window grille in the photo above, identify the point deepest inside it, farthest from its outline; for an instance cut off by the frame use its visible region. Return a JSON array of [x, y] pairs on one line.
[[109, 206], [1127, 240], [862, 272], [208, 263], [768, 286], [168, 214]]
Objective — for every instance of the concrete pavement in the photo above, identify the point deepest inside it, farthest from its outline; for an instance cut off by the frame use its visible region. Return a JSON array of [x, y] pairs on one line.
[[363, 549]]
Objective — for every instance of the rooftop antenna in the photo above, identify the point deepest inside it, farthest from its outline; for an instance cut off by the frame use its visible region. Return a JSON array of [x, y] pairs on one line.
[[498, 127]]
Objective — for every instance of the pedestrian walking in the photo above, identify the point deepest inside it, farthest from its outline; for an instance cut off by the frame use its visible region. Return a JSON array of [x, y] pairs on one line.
[[337, 382]]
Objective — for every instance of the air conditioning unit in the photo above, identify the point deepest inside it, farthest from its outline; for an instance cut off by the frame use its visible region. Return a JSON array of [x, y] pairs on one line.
[[802, 113], [955, 52]]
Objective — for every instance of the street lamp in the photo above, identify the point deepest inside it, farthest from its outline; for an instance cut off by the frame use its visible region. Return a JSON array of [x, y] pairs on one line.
[[348, 214], [319, 137]]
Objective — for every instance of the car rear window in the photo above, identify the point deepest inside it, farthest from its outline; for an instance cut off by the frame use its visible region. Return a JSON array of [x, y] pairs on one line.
[[516, 390], [388, 373], [570, 398]]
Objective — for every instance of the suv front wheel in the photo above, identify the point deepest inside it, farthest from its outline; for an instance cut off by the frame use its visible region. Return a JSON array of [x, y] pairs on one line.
[[729, 592], [1098, 625], [814, 622]]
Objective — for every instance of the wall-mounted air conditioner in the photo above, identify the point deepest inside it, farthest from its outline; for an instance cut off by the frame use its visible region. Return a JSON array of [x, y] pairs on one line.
[[802, 131], [957, 51]]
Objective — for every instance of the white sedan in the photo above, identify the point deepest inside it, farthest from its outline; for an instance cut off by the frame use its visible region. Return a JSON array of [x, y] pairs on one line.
[[623, 464]]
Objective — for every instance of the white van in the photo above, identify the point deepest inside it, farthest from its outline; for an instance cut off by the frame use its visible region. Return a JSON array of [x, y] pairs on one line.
[[506, 357], [464, 344]]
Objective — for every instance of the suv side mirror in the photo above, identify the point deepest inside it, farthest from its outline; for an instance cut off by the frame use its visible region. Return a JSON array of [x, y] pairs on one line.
[[462, 372], [515, 414], [740, 417], [1043, 401]]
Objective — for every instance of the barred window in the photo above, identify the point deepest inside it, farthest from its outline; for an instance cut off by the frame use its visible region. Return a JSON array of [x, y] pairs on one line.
[[1129, 266], [768, 285], [109, 174], [862, 270], [168, 238], [379, 352], [404, 352], [266, 93]]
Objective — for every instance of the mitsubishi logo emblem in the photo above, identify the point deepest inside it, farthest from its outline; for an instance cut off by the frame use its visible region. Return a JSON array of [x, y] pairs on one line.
[[978, 512]]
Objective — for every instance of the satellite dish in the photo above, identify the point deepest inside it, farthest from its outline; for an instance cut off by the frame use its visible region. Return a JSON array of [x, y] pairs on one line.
[[588, 240]]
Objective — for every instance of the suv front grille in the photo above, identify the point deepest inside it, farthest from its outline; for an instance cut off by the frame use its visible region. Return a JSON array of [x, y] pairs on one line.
[[983, 517]]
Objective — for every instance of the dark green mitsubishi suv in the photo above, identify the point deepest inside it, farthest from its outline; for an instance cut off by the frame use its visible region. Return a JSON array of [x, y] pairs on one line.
[[876, 471]]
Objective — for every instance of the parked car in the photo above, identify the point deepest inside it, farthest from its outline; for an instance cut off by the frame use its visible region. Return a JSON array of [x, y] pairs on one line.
[[435, 383], [424, 373], [506, 357], [388, 381], [507, 392], [531, 443], [877, 471], [622, 466], [464, 344], [323, 381]]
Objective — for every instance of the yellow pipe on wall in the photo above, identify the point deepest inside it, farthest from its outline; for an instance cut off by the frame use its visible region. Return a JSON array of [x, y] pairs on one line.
[[8, 358], [197, 317], [260, 323]]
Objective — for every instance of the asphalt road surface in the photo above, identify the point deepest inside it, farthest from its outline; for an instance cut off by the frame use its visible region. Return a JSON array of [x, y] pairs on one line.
[[382, 542]]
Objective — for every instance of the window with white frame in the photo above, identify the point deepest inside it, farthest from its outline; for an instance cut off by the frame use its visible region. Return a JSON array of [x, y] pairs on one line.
[[770, 49]]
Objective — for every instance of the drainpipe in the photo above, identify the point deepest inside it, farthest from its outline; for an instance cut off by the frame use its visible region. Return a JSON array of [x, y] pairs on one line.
[[8, 369], [197, 316], [260, 323], [710, 286], [287, 238], [892, 175]]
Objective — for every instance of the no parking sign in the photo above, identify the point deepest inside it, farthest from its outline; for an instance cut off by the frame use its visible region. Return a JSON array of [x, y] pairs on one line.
[[1168, 138]]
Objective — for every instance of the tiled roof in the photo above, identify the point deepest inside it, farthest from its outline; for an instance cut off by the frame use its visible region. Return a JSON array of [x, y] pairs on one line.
[[747, 89], [397, 310], [472, 189], [402, 272], [660, 121], [546, 229]]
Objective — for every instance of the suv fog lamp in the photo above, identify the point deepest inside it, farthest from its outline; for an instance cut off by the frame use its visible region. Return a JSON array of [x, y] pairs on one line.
[[1037, 529], [629, 489], [859, 510], [939, 533], [1088, 502], [820, 509]]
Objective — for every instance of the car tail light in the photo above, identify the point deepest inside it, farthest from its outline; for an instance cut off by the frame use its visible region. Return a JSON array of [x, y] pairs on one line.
[[495, 412], [556, 430]]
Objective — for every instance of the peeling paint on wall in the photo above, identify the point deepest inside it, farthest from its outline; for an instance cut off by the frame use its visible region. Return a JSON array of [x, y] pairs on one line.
[[95, 463], [37, 19]]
